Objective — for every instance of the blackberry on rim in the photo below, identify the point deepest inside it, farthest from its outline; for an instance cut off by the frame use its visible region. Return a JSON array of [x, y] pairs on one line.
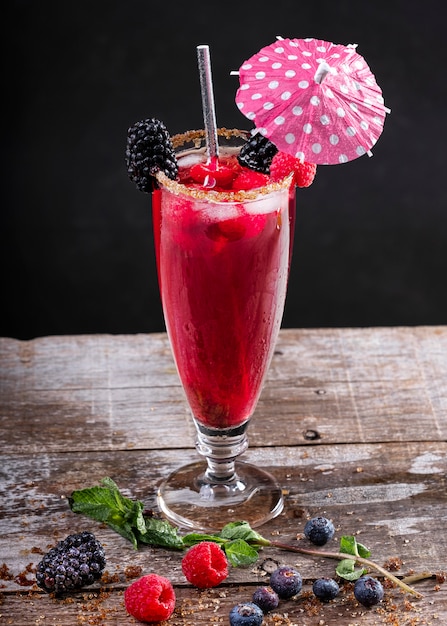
[[149, 150]]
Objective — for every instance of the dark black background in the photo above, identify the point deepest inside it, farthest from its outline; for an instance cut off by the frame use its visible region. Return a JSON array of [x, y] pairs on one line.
[[76, 237]]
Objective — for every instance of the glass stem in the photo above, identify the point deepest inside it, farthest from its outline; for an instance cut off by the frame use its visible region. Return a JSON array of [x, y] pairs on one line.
[[221, 448]]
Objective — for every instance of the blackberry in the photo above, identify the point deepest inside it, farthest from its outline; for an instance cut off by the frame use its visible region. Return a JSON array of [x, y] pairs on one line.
[[325, 589], [246, 614], [266, 599], [319, 530], [257, 154], [73, 563], [368, 591], [286, 581], [149, 150]]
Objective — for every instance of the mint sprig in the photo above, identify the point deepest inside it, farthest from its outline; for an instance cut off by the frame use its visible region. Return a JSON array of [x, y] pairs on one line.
[[105, 503], [125, 516], [348, 561]]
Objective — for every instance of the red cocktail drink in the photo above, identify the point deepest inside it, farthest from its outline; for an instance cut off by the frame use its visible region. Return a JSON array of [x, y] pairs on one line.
[[223, 261], [223, 243], [224, 216]]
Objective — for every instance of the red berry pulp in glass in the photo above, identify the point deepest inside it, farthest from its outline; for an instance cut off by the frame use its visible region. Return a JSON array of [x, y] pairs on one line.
[[223, 269]]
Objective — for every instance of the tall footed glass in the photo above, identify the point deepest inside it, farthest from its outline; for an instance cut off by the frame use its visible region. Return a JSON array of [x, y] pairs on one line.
[[223, 263]]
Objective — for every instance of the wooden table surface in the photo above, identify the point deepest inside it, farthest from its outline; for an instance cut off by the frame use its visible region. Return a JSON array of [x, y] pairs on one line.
[[352, 422]]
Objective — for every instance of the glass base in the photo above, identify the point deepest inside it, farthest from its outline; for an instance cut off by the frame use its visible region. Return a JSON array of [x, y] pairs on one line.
[[191, 499]]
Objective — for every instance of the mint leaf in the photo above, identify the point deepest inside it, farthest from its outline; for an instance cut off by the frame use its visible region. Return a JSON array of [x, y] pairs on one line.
[[160, 533], [242, 530], [106, 504], [240, 553], [363, 551], [346, 569], [349, 545], [125, 516], [192, 538]]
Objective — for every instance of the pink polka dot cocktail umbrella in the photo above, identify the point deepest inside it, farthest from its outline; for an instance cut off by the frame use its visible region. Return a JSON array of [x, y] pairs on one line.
[[313, 99]]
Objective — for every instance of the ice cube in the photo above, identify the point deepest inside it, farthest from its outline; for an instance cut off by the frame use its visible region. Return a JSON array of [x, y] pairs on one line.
[[188, 160], [267, 204]]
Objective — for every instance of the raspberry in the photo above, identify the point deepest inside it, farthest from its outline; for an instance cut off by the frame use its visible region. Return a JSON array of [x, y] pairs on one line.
[[149, 150], [283, 164], [247, 179], [305, 174], [151, 598], [319, 530], [325, 589], [211, 177], [246, 614], [205, 565], [286, 581], [368, 591], [266, 599], [257, 153], [73, 563]]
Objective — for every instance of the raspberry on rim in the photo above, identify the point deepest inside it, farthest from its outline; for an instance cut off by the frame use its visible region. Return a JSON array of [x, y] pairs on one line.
[[283, 164]]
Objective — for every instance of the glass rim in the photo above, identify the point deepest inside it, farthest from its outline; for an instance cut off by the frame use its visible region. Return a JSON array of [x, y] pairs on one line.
[[242, 195]]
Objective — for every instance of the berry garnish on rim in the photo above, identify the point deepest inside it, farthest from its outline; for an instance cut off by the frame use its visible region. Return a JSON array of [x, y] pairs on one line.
[[257, 154], [283, 164], [260, 155], [149, 150]]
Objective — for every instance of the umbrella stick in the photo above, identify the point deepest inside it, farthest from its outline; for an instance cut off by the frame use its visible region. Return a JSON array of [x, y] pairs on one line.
[[209, 112]]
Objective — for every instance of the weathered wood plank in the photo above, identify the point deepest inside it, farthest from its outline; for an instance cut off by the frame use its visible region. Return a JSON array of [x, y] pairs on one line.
[[202, 608], [75, 409], [348, 385], [394, 495]]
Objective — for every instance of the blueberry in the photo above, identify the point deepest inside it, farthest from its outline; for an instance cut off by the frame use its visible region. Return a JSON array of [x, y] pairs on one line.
[[319, 530], [325, 589], [266, 599], [286, 581], [368, 591], [246, 614]]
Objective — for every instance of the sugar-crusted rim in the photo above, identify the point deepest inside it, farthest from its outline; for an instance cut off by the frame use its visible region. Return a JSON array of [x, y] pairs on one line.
[[196, 137]]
